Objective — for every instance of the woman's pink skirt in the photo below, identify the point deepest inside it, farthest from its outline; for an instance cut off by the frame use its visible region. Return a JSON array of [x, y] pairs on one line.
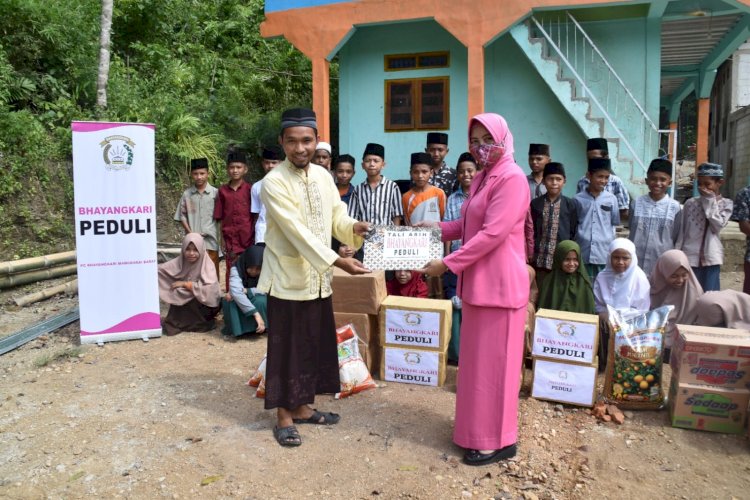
[[490, 357]]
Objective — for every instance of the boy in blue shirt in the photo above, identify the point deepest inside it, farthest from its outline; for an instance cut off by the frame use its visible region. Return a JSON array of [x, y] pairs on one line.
[[598, 215]]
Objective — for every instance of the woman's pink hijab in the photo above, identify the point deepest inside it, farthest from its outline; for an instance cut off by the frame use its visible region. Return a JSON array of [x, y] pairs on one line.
[[498, 128], [202, 273]]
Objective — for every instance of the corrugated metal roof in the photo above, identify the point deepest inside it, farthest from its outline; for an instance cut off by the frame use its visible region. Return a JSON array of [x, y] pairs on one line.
[[670, 84], [688, 41]]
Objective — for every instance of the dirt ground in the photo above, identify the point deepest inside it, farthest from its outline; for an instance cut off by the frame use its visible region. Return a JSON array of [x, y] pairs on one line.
[[174, 418]]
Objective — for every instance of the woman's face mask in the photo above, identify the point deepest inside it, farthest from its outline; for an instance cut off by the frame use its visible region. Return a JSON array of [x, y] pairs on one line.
[[487, 154]]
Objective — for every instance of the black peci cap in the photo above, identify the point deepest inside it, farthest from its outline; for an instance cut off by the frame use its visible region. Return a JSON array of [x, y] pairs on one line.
[[374, 149], [198, 163]]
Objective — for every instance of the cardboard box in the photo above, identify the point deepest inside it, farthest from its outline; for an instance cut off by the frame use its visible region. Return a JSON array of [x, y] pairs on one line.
[[413, 366], [413, 322], [711, 356], [368, 330], [708, 408], [366, 325], [358, 293], [562, 382], [566, 336]]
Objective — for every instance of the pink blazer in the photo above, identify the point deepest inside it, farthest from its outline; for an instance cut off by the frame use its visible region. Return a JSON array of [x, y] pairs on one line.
[[491, 263]]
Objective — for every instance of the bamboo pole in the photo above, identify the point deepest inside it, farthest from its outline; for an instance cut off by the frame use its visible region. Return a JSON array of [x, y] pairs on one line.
[[37, 275], [165, 254], [33, 263], [68, 288]]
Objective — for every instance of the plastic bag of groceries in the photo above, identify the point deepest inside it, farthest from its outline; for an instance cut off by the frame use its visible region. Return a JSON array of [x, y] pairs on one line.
[[258, 379], [634, 365], [353, 372]]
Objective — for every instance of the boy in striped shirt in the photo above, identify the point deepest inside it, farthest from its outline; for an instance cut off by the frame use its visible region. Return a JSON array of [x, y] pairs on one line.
[[377, 200]]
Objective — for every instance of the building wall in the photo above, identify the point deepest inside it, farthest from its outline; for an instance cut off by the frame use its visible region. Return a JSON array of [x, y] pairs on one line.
[[513, 89], [534, 115], [740, 162], [720, 135], [730, 120], [362, 92], [632, 47], [279, 5], [741, 85]]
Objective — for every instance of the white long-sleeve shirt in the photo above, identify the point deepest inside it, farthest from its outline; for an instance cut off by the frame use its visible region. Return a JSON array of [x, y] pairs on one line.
[[703, 217]]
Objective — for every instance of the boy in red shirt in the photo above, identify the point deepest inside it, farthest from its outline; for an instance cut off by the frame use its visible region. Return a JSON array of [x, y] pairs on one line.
[[232, 210]]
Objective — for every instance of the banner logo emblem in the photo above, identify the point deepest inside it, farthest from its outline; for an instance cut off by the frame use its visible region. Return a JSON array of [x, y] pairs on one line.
[[117, 151]]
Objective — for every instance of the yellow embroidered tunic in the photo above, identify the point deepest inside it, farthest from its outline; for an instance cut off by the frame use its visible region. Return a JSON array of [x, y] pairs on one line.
[[303, 211]]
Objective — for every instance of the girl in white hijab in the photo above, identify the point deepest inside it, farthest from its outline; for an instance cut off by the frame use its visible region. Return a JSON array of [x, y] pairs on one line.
[[622, 285]]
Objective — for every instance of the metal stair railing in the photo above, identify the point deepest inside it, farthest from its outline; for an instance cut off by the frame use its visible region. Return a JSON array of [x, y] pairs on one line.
[[594, 76]]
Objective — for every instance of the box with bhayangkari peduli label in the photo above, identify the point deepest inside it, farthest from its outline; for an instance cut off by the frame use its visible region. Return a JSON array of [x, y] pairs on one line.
[[415, 322], [566, 336], [563, 382], [708, 408], [413, 366], [711, 356]]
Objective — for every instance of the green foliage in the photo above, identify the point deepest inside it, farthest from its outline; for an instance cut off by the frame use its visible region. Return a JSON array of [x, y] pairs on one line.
[[198, 70]]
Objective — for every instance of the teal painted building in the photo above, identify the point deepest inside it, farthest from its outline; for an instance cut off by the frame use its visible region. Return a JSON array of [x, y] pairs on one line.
[[589, 69], [362, 73], [514, 88]]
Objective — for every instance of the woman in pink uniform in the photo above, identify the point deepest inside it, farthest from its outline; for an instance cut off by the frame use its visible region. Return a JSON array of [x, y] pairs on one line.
[[493, 284]]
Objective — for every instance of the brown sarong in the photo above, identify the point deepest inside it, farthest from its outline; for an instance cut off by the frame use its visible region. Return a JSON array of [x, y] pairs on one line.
[[190, 317], [302, 358]]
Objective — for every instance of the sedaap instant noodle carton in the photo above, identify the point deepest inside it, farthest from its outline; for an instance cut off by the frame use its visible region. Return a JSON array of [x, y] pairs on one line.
[[414, 322], [413, 366], [708, 408], [562, 382], [712, 356], [565, 336]]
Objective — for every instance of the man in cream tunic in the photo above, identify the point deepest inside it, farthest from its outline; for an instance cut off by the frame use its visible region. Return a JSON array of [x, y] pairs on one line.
[[303, 211]]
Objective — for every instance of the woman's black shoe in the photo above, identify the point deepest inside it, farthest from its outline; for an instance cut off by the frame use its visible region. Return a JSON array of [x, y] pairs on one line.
[[473, 457]]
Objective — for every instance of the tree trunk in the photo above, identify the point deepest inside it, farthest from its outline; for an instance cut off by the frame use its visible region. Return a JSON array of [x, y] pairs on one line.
[[104, 37]]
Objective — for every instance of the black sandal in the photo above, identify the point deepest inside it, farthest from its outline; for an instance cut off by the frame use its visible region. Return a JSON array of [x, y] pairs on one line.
[[319, 418], [287, 436], [474, 457]]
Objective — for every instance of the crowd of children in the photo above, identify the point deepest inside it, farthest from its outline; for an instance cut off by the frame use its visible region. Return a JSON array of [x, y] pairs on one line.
[[672, 255]]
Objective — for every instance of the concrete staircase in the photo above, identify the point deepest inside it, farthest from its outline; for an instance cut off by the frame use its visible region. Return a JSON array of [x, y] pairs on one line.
[[580, 108]]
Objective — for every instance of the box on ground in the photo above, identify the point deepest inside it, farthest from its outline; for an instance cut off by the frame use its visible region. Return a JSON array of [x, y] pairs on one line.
[[358, 293], [413, 366], [414, 322], [566, 336], [366, 326], [712, 356], [562, 382], [708, 408]]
